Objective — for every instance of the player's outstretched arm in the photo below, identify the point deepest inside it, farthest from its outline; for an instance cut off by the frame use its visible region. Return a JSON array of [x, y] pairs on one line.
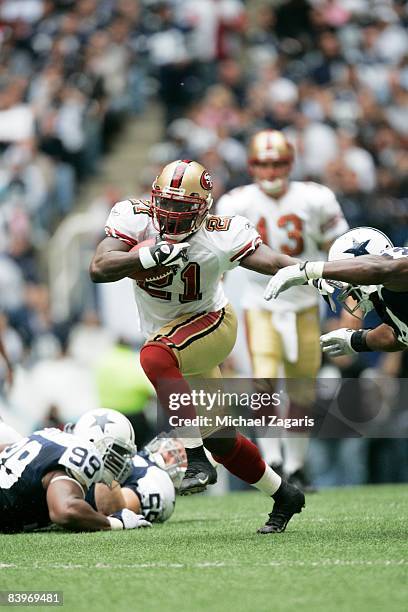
[[363, 270], [67, 507], [370, 270], [382, 338], [266, 261], [346, 341], [112, 500]]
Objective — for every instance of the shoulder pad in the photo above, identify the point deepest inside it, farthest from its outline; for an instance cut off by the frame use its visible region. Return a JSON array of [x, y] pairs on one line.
[[395, 252]]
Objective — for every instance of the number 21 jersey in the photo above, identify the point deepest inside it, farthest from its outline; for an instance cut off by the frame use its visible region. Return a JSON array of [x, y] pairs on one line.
[[217, 247]]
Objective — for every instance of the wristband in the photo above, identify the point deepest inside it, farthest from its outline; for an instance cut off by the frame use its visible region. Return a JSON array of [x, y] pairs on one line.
[[115, 523], [358, 341], [312, 269], [146, 258]]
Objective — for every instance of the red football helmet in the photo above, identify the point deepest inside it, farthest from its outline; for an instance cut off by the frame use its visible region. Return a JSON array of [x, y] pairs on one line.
[[181, 199]]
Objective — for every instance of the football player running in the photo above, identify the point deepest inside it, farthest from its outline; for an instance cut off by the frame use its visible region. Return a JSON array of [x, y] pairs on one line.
[[374, 275], [45, 476], [190, 326], [300, 219]]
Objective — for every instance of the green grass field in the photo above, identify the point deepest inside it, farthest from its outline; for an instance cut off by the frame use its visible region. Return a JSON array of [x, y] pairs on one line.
[[347, 550]]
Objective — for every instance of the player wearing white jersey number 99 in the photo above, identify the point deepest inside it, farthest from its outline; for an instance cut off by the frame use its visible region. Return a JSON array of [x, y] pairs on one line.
[[299, 219], [189, 325]]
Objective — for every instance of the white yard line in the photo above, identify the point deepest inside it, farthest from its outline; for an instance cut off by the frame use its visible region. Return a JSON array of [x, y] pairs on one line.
[[211, 564]]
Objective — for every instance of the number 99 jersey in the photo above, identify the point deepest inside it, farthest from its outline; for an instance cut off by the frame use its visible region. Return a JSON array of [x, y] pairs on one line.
[[23, 503]]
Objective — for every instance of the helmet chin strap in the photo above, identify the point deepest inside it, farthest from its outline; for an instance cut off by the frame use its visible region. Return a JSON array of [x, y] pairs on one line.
[[273, 188]]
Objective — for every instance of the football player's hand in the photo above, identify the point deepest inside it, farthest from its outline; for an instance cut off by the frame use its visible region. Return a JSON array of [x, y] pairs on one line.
[[127, 519], [299, 274], [337, 342], [164, 253], [283, 279], [326, 288]]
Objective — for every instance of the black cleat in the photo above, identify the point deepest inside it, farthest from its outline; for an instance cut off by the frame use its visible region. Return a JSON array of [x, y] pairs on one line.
[[300, 480], [289, 500], [200, 472], [197, 477]]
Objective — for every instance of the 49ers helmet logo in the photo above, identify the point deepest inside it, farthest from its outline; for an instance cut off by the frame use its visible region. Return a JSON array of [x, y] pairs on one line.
[[206, 181]]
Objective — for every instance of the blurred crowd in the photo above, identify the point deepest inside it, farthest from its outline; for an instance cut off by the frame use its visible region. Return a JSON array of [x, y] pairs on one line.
[[333, 74]]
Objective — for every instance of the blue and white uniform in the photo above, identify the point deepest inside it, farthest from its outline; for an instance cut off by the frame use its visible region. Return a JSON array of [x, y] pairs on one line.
[[23, 465], [392, 306], [152, 485]]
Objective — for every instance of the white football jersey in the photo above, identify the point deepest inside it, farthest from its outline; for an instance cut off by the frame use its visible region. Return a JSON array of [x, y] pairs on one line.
[[296, 224], [217, 247]]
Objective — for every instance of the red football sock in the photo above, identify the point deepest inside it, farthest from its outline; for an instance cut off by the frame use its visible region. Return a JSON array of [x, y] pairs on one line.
[[244, 460], [161, 368]]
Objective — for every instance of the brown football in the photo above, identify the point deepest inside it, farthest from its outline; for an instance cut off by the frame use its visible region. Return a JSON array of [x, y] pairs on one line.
[[152, 274]]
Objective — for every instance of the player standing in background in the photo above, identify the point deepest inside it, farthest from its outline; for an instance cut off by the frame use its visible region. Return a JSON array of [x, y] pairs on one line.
[[299, 219], [190, 326]]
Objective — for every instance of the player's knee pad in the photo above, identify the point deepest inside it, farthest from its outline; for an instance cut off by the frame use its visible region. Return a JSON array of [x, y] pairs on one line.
[[158, 361]]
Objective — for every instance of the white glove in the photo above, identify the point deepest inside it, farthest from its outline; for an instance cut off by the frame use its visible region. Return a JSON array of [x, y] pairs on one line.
[[164, 254], [326, 288], [127, 519], [337, 342], [299, 274]]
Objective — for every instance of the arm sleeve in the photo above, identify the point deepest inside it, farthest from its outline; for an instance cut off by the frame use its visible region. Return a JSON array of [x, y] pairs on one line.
[[128, 221], [240, 240], [395, 252]]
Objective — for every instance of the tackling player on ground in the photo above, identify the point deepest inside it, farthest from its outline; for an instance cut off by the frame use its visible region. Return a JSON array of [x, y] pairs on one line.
[[300, 219], [44, 477], [150, 488], [190, 326]]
